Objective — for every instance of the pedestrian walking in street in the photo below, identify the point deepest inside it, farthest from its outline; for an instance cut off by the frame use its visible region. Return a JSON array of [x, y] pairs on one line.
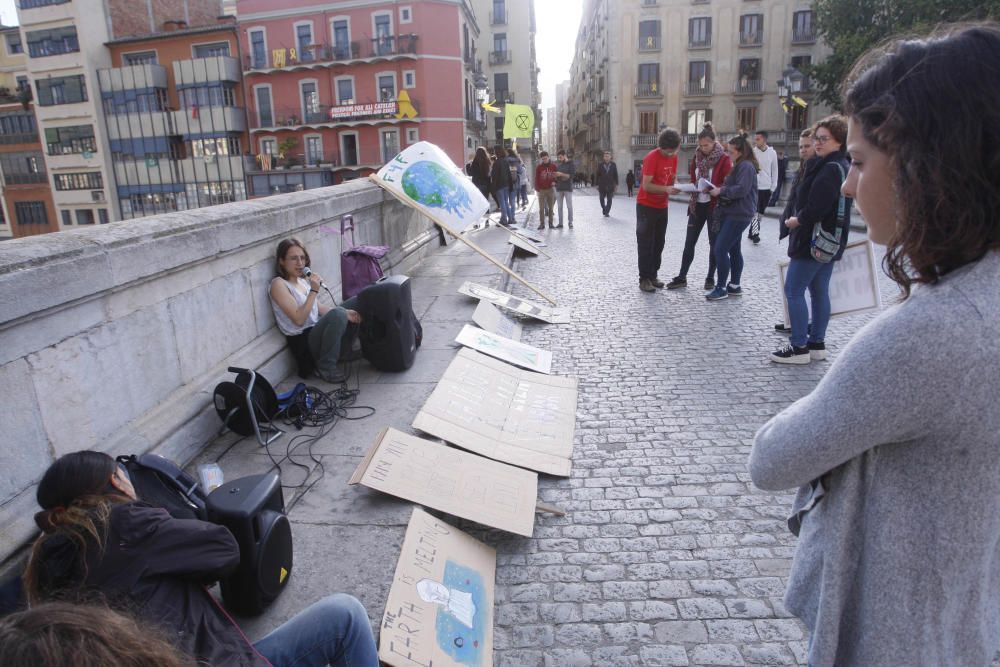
[[736, 208], [782, 176], [630, 182], [818, 201], [711, 162], [807, 160], [607, 183], [565, 172], [659, 171], [895, 450], [479, 170], [500, 183], [545, 189], [767, 179]]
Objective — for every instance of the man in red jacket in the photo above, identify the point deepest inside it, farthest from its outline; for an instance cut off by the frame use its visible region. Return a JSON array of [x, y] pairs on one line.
[[545, 188], [659, 170]]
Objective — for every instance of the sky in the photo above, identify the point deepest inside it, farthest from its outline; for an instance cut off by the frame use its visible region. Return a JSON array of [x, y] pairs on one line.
[[557, 22], [8, 13]]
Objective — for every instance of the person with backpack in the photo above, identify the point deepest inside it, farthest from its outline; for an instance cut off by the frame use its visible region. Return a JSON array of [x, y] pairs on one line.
[[98, 540], [818, 202], [501, 181]]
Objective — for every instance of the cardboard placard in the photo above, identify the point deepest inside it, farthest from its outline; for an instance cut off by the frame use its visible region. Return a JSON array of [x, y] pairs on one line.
[[512, 351], [490, 318], [853, 285], [450, 480], [516, 304], [524, 244], [440, 606], [506, 413]]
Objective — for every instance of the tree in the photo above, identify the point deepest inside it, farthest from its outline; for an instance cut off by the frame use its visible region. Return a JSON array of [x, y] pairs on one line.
[[851, 27]]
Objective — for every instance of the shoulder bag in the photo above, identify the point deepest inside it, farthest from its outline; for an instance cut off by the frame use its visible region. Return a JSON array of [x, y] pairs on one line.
[[825, 245]]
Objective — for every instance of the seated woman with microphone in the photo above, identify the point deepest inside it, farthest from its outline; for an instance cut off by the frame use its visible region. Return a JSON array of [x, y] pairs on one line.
[[317, 334], [100, 544]]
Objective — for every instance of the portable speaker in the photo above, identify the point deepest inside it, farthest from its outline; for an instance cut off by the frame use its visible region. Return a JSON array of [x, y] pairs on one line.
[[388, 329], [253, 509]]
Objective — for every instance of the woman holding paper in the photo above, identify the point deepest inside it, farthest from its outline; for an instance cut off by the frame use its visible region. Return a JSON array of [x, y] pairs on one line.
[[736, 209], [895, 450], [818, 202], [711, 163]]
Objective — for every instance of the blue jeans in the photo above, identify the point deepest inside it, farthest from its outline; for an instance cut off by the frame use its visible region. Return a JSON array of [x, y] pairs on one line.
[[512, 197], [728, 253], [506, 210], [334, 631], [803, 273]]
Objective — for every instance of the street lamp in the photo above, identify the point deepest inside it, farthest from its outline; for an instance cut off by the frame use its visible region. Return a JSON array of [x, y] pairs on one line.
[[789, 86]]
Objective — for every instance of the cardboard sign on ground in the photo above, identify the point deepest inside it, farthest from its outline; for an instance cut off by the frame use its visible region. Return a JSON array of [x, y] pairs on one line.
[[450, 480], [523, 244], [506, 413], [853, 285], [440, 606], [512, 351], [490, 318], [518, 305]]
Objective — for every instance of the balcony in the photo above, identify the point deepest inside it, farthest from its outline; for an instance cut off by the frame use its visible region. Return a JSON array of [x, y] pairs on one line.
[[648, 90], [323, 56], [755, 38], [649, 43], [500, 57], [189, 122], [705, 43], [498, 18], [698, 88], [803, 36], [23, 138], [650, 3], [206, 70], [16, 178], [132, 77], [648, 141], [394, 45], [749, 87], [326, 115]]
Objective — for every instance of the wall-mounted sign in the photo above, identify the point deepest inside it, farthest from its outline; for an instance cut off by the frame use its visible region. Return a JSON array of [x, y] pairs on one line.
[[359, 110]]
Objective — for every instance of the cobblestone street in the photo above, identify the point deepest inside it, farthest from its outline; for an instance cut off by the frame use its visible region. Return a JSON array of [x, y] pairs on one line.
[[667, 555]]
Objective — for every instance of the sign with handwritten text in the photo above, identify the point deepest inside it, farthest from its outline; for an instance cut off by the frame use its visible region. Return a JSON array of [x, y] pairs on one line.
[[440, 606]]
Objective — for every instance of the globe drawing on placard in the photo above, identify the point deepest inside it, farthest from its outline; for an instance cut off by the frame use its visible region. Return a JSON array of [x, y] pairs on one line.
[[434, 186]]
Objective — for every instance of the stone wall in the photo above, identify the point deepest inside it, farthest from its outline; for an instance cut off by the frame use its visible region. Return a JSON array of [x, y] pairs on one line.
[[114, 337]]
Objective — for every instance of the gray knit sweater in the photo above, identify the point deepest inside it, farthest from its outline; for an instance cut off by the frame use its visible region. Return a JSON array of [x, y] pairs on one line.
[[899, 563]]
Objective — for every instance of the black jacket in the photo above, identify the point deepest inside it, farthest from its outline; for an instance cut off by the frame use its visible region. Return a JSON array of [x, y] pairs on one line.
[[789, 210], [500, 175], [157, 567], [816, 202], [607, 177]]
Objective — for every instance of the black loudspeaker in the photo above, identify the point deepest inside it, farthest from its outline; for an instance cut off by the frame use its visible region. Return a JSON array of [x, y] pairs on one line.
[[253, 509], [388, 329]]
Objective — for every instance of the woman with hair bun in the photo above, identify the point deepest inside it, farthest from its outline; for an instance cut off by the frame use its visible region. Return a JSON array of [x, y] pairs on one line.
[[737, 207], [100, 544], [712, 163], [895, 452]]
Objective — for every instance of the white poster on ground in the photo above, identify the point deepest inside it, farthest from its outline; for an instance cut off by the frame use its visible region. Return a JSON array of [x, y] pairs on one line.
[[853, 285], [490, 317], [506, 413], [505, 349], [451, 480], [426, 178], [440, 606], [516, 304]]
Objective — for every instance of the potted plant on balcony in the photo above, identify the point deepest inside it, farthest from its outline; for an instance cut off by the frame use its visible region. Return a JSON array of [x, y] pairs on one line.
[[285, 149]]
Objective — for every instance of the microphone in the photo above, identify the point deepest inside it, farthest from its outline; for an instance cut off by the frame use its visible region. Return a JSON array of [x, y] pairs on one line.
[[307, 272]]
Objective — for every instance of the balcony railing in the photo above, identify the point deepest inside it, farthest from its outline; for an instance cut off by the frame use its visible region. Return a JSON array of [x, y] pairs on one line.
[[650, 3], [388, 45], [31, 4], [807, 36], [392, 45], [14, 178], [504, 97], [648, 90], [649, 43], [696, 88], [749, 87], [498, 18], [755, 38], [644, 140], [23, 138], [500, 57], [292, 116], [705, 43]]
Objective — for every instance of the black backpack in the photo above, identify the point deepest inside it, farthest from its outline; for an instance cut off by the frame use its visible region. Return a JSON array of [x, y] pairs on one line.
[[161, 483]]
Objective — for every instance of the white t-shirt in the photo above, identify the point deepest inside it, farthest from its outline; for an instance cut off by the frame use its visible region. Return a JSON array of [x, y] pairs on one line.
[[767, 178], [285, 324]]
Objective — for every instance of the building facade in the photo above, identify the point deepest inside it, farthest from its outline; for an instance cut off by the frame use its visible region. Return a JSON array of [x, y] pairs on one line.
[[27, 198], [173, 109], [335, 90], [680, 63]]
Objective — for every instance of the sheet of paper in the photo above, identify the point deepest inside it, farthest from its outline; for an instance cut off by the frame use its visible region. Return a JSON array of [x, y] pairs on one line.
[[491, 318], [702, 185], [516, 304], [451, 480], [506, 413], [505, 349], [440, 606]]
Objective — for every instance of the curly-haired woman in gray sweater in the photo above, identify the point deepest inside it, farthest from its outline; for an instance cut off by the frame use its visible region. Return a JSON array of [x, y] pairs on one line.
[[897, 450]]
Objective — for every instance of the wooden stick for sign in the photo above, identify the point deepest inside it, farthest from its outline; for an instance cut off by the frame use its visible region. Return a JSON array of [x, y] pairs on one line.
[[464, 240], [542, 506]]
